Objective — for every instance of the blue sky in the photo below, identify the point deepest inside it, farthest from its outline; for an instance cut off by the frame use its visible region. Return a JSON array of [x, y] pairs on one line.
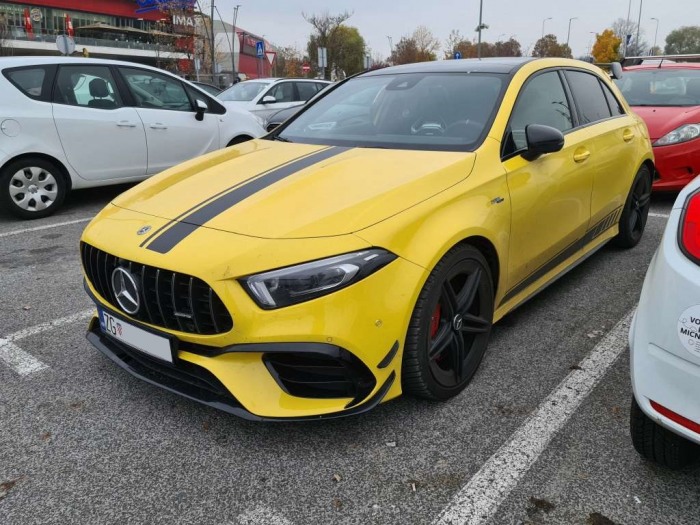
[[281, 21]]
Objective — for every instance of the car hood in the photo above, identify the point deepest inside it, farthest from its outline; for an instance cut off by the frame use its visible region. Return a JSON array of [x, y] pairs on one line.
[[661, 119], [279, 190]]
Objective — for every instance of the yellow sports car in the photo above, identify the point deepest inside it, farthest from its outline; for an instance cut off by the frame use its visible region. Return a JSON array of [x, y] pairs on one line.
[[365, 247]]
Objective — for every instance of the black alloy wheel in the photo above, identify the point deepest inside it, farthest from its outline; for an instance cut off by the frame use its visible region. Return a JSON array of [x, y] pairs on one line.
[[450, 326], [636, 211]]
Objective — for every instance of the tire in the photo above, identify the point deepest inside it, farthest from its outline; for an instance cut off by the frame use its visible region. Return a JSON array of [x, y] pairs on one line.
[[32, 188], [238, 140], [655, 443], [450, 326], [635, 213]]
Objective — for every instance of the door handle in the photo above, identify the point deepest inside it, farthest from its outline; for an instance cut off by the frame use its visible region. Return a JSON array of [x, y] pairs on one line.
[[581, 155], [627, 135], [126, 124], [158, 125]]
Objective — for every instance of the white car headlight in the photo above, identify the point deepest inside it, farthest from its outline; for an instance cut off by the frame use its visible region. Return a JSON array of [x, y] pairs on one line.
[[678, 135], [296, 284]]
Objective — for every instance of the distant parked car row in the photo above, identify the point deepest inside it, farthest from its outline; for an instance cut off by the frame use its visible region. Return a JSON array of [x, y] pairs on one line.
[[70, 123]]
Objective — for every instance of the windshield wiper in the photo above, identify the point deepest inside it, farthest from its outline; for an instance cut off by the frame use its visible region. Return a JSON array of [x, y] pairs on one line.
[[281, 139]]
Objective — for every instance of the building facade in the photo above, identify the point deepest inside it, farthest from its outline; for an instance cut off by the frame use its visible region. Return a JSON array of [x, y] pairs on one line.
[[170, 34]]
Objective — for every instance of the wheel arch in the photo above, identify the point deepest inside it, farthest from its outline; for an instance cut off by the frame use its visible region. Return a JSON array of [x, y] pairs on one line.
[[239, 139], [488, 250], [62, 167]]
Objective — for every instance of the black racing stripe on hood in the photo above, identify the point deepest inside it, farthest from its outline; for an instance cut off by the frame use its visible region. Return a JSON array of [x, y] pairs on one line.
[[180, 230], [180, 217]]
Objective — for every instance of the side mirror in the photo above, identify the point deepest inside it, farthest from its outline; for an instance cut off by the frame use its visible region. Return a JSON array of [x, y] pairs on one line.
[[542, 139], [200, 109], [268, 99], [616, 70]]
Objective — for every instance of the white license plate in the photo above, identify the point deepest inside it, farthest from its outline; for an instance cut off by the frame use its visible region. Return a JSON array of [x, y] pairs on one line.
[[137, 338]]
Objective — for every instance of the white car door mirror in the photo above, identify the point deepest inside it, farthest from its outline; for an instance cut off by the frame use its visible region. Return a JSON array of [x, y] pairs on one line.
[[268, 99], [201, 109]]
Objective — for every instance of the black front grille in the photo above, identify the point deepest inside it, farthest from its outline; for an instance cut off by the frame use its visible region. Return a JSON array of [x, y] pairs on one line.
[[168, 299]]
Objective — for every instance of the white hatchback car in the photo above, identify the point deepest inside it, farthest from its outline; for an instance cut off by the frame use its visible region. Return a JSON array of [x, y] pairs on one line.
[[69, 123], [665, 343], [266, 96]]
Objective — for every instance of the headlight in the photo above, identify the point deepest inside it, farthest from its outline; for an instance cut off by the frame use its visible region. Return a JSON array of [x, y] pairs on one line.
[[304, 282], [682, 134]]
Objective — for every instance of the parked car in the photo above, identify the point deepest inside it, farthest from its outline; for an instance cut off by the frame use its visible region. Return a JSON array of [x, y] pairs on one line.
[[352, 255], [266, 96], [70, 123], [212, 90], [667, 96], [665, 343]]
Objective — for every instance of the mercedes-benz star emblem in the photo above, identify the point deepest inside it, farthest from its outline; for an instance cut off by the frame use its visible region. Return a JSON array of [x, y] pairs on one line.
[[126, 290], [144, 230]]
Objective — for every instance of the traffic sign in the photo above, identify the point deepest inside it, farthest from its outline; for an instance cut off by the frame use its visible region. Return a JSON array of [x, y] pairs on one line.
[[305, 68], [65, 44], [458, 55], [322, 57], [260, 48], [368, 61], [271, 55]]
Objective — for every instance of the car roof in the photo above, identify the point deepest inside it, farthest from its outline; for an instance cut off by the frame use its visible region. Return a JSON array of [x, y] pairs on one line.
[[664, 65], [44, 61], [469, 65]]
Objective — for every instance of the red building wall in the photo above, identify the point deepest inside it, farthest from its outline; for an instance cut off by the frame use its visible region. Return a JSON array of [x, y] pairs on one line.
[[124, 8]]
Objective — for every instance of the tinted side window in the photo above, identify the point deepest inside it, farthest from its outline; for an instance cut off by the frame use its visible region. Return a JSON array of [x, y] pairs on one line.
[[87, 86], [588, 94], [614, 104], [283, 92], [28, 80], [152, 90], [542, 101], [306, 90]]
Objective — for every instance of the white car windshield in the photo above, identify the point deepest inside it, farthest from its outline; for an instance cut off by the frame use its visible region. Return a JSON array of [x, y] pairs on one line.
[[242, 92], [430, 111], [661, 87]]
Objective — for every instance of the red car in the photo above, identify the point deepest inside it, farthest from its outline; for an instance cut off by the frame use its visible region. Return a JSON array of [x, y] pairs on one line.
[[667, 96]]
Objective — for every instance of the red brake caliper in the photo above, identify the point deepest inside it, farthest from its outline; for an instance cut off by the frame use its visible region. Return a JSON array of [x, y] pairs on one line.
[[435, 321]]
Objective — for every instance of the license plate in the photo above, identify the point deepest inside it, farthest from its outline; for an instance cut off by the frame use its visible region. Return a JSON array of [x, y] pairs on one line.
[[135, 337]]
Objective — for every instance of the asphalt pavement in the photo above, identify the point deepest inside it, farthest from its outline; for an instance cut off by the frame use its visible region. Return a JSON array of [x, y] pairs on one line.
[[81, 441]]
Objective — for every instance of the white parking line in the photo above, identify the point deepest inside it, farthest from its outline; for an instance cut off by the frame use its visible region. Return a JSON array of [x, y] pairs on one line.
[[45, 227], [660, 215], [21, 361], [480, 498]]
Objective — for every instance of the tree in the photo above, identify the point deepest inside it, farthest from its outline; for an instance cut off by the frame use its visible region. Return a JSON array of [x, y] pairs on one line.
[[346, 51], [5, 48], [325, 25], [606, 47], [683, 40], [427, 44], [456, 42], [405, 51], [548, 46], [622, 28], [289, 62], [508, 48]]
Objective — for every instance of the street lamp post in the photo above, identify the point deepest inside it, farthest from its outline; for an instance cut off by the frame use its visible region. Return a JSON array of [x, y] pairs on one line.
[[656, 33], [234, 39], [543, 21], [639, 23], [391, 48], [481, 27], [568, 33]]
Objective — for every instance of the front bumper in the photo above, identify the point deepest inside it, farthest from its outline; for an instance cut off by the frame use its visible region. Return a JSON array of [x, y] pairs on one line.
[[662, 369], [676, 165]]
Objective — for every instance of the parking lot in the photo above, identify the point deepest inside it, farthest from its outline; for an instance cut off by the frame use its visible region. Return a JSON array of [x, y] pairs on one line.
[[535, 438]]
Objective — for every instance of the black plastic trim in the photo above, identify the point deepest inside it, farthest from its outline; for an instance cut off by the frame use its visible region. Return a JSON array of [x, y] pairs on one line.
[[388, 358]]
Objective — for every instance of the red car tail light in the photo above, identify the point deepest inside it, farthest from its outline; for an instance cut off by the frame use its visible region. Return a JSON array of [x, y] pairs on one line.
[[689, 234], [676, 418]]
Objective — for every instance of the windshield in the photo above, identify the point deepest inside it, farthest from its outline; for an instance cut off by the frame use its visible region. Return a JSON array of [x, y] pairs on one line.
[[431, 111], [242, 92], [661, 87]]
